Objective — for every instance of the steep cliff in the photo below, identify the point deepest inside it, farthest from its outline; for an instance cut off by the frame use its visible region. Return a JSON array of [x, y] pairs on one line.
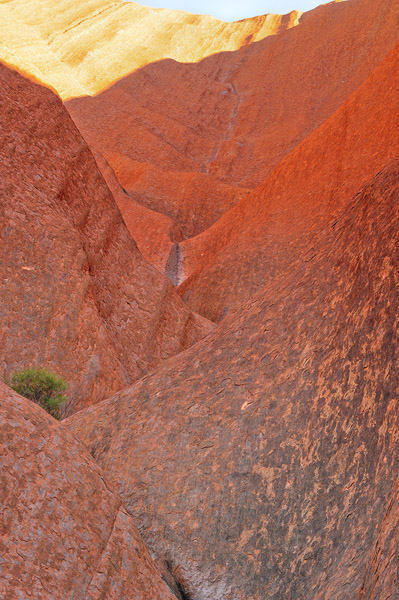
[[256, 164], [76, 294], [190, 140], [272, 473], [263, 234]]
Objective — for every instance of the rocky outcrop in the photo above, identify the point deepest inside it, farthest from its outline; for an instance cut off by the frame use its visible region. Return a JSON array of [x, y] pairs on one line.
[[83, 47], [189, 140], [262, 235], [191, 113], [256, 164], [162, 152], [271, 474], [76, 295], [64, 534], [235, 115]]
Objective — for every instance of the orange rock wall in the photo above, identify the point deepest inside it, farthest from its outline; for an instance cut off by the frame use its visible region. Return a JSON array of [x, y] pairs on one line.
[[262, 235], [189, 140]]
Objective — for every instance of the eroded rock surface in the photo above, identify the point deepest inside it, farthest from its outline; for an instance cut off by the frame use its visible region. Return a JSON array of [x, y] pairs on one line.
[[270, 476], [76, 295], [190, 112], [154, 233], [83, 47], [190, 140], [262, 235], [262, 462], [381, 577], [64, 535]]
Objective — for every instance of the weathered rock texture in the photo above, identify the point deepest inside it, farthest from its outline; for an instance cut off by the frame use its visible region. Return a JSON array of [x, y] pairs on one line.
[[197, 112], [263, 178], [76, 294], [261, 236], [154, 233], [189, 140], [381, 581], [64, 535], [83, 47], [270, 476]]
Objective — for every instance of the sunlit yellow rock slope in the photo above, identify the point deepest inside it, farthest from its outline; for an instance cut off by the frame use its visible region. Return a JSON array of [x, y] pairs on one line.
[[82, 47]]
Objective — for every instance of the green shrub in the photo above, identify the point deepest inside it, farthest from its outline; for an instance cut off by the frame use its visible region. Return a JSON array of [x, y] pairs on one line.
[[40, 386]]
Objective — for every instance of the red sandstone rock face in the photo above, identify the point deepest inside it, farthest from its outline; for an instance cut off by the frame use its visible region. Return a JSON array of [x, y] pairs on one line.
[[381, 578], [175, 133], [263, 463], [154, 233], [272, 473], [151, 156], [76, 294], [64, 535], [263, 234]]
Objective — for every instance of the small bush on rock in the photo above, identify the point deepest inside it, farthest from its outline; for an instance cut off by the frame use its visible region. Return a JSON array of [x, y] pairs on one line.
[[42, 387]]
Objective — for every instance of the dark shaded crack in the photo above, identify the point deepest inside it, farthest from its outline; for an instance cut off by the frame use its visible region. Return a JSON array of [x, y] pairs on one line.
[[172, 581], [182, 593]]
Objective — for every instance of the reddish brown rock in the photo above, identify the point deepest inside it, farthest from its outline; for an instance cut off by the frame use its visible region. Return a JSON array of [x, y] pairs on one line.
[[154, 233], [160, 154], [381, 577], [189, 138], [262, 235], [287, 85], [259, 464], [63, 533], [174, 133], [76, 294], [235, 114], [193, 200]]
